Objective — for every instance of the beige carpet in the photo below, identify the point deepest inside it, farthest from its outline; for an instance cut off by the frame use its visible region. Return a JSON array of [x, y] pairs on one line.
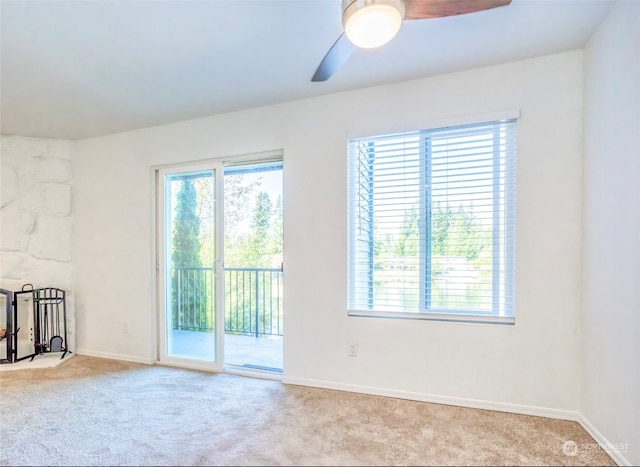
[[91, 411]]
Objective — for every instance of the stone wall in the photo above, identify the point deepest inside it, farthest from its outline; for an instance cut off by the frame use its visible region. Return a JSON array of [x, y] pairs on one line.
[[36, 220]]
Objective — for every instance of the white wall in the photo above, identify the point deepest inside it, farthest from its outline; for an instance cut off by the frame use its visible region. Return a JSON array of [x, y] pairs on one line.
[[532, 365], [610, 399], [36, 217]]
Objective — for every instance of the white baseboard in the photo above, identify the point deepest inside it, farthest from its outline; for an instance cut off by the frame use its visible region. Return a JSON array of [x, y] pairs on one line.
[[610, 448], [439, 399], [115, 356]]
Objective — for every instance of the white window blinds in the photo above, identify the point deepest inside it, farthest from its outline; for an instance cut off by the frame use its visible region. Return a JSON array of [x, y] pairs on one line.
[[432, 221]]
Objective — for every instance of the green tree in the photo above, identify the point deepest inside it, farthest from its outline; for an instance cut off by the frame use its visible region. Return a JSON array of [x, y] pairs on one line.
[[261, 214], [440, 223], [458, 233], [408, 242], [188, 285], [186, 228], [238, 195], [276, 232], [465, 237], [204, 187], [256, 252], [253, 239]]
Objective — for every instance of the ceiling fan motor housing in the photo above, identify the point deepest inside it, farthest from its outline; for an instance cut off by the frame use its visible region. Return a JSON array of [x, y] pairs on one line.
[[371, 23]]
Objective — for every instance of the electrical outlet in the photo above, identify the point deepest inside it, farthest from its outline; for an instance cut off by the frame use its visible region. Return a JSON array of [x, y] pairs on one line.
[[353, 349], [125, 327]]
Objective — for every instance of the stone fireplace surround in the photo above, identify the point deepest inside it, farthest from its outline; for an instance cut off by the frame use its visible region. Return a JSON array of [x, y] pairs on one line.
[[36, 219]]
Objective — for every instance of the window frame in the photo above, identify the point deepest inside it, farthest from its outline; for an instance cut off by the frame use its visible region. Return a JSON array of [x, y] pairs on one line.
[[497, 315]]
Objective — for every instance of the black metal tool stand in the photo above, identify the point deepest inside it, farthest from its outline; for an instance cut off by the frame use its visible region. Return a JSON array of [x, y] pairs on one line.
[[48, 330]]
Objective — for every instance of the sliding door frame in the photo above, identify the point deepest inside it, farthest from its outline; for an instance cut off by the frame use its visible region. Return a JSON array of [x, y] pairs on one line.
[[162, 255], [158, 235]]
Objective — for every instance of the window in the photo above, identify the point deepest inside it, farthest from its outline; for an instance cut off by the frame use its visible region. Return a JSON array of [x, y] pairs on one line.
[[432, 223]]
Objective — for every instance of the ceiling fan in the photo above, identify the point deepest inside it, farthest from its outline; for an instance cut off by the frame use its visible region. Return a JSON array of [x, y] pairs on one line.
[[372, 23]]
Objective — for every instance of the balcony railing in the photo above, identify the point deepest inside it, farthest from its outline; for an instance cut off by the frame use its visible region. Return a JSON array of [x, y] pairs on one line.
[[253, 300]]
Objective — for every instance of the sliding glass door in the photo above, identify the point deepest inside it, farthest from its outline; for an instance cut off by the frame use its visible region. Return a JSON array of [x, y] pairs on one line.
[[188, 264], [219, 268], [254, 318]]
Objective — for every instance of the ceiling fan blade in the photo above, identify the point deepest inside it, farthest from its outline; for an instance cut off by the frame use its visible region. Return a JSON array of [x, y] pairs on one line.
[[339, 52], [423, 9]]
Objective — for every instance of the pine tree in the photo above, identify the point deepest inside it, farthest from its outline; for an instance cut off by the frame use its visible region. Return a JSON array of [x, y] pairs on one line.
[[186, 228], [189, 287]]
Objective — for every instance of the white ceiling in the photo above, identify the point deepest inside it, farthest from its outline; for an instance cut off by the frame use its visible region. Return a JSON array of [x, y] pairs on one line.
[[77, 69]]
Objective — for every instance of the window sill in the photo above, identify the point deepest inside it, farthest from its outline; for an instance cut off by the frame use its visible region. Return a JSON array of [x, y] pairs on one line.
[[451, 317]]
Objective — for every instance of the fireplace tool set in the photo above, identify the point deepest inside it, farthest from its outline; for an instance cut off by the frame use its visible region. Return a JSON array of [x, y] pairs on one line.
[[34, 323]]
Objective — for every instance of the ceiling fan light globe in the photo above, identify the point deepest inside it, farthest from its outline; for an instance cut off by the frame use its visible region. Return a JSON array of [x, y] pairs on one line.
[[370, 24]]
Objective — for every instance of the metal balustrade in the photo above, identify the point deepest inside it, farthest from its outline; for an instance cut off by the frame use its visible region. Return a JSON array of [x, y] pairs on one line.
[[253, 300]]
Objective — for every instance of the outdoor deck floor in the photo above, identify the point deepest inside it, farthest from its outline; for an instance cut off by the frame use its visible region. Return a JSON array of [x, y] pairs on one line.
[[248, 352]]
